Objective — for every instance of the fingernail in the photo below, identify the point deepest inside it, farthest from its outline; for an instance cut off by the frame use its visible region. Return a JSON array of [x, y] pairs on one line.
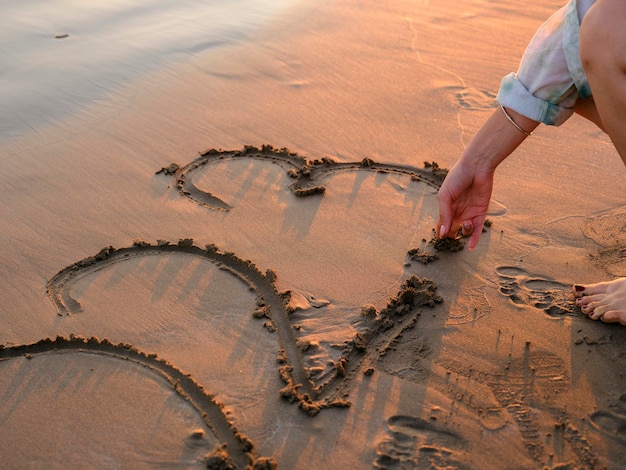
[[579, 288], [442, 231], [467, 225]]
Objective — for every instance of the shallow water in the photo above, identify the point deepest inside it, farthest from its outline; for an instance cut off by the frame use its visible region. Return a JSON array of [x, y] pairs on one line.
[[56, 57]]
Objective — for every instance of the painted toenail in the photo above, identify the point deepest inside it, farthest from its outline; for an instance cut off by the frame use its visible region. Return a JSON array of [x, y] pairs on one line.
[[579, 288]]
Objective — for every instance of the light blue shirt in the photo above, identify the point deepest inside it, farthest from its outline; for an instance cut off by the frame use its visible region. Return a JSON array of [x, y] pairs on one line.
[[550, 78]]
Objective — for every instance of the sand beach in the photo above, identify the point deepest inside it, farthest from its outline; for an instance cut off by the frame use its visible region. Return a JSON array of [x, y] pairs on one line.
[[218, 249]]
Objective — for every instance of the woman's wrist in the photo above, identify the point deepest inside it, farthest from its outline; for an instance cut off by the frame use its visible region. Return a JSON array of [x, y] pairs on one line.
[[496, 140]]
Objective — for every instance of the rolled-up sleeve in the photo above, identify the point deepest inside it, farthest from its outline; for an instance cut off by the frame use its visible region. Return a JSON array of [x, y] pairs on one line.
[[550, 78]]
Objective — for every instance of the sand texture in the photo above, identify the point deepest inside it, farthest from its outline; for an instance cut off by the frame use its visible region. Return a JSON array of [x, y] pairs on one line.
[[230, 262]]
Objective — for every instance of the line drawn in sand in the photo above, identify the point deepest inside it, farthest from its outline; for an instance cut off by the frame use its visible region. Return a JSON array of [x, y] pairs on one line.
[[237, 449], [273, 306], [306, 173]]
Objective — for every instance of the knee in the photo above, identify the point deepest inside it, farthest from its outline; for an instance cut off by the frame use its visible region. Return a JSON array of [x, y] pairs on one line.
[[588, 46], [603, 37]]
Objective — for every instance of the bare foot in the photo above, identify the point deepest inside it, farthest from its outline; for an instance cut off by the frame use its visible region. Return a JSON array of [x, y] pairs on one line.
[[604, 301]]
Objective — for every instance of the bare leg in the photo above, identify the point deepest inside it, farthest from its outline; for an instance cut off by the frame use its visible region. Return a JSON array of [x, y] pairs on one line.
[[603, 53]]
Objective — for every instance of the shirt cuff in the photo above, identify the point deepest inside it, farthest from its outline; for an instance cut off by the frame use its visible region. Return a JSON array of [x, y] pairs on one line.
[[514, 95]]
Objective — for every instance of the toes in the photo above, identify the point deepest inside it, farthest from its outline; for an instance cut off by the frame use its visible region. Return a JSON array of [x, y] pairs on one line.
[[583, 303], [614, 316], [595, 315], [610, 317], [587, 299], [590, 306], [587, 309], [600, 309], [579, 290], [591, 289], [605, 301]]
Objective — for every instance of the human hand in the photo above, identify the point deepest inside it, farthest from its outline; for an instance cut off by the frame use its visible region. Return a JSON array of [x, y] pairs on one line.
[[463, 202]]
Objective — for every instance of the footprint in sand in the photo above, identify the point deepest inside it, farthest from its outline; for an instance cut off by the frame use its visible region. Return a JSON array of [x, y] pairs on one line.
[[417, 444], [522, 288], [472, 98], [536, 374], [535, 377], [523, 390], [612, 422]]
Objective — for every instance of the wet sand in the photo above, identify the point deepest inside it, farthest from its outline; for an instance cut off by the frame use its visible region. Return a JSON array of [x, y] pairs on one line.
[[230, 262]]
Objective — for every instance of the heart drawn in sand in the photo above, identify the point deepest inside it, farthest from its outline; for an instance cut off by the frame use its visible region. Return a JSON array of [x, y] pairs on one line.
[[311, 389]]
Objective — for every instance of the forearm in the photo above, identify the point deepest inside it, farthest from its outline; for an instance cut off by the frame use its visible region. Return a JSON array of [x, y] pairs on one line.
[[496, 140]]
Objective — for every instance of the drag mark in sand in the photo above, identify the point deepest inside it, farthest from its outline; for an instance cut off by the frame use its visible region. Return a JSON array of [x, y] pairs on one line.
[[382, 331], [307, 174], [381, 327], [237, 449]]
